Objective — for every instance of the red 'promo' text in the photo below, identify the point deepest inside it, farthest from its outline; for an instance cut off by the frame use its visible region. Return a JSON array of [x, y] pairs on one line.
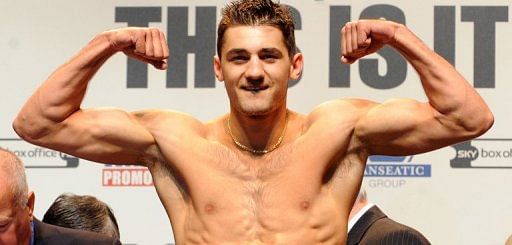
[[126, 176]]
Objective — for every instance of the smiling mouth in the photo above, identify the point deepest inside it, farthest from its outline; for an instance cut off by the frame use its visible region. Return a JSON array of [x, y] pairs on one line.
[[255, 89]]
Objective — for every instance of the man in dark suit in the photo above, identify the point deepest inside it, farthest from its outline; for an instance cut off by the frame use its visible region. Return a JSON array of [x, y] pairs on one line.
[[17, 223], [369, 225]]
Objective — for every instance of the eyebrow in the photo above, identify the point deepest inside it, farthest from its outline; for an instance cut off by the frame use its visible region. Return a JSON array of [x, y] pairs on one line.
[[239, 51], [236, 51]]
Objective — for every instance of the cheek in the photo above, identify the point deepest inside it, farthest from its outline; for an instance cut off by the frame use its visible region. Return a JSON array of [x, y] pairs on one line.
[[232, 73], [279, 72], [8, 236], [21, 229]]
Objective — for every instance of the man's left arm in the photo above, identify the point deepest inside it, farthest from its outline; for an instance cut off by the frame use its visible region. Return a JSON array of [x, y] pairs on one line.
[[454, 111]]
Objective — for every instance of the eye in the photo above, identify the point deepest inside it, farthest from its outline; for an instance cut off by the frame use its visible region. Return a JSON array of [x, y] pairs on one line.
[[238, 59], [269, 58], [3, 226]]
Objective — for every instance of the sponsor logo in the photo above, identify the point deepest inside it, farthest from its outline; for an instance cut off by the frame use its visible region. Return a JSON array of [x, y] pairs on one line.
[[483, 153], [387, 166], [391, 171], [38, 157], [132, 176]]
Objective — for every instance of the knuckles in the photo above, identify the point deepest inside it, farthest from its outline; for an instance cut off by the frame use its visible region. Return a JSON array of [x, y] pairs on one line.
[[149, 43]]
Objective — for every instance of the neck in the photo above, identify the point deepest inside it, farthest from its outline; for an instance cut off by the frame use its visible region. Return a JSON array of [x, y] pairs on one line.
[[259, 133]]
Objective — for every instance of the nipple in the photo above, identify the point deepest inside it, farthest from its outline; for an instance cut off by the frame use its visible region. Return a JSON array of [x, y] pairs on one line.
[[305, 205], [209, 208]]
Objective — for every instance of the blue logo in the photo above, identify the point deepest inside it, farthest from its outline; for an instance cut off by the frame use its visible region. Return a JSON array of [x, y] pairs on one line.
[[393, 166]]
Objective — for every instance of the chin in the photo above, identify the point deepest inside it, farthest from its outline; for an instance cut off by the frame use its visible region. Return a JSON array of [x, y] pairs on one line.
[[255, 111]]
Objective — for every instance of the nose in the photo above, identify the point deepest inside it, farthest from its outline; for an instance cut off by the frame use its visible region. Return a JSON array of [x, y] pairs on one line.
[[254, 72]]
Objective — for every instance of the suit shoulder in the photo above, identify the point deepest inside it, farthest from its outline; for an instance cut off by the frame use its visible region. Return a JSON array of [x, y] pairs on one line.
[[388, 231]]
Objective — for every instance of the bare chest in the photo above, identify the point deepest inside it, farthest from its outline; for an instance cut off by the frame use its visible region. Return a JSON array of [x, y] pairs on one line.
[[263, 198]]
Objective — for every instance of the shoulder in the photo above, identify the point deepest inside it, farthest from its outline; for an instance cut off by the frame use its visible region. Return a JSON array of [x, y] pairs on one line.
[[155, 115], [164, 119], [351, 104], [169, 126], [50, 234], [338, 112], [345, 107]]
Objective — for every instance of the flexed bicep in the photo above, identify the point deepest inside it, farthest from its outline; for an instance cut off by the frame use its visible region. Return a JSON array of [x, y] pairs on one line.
[[454, 111], [103, 135], [53, 116], [405, 127]]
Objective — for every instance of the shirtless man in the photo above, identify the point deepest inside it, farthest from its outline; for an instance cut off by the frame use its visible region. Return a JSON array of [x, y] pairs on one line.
[[260, 173]]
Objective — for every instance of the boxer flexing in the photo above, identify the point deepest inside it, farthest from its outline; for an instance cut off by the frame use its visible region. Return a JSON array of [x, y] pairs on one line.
[[261, 173]]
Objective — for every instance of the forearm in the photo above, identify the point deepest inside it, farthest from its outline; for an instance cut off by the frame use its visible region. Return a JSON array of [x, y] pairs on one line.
[[62, 93], [447, 90]]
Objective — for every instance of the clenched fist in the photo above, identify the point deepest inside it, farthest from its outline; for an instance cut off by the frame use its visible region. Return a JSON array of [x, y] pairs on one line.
[[364, 37], [145, 44]]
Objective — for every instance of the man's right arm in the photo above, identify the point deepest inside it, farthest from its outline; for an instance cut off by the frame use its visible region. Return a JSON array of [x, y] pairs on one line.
[[53, 118]]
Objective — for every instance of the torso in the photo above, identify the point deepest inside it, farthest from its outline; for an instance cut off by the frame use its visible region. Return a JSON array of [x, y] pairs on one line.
[[214, 193]]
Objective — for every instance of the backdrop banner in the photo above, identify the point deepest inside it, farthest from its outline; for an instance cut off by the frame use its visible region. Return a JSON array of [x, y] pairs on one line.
[[456, 195]]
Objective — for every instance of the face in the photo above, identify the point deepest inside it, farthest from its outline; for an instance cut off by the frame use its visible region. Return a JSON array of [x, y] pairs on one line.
[[255, 67], [14, 220]]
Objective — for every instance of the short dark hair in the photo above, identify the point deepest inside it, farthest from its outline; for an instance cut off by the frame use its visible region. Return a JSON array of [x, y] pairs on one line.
[[255, 13], [82, 213]]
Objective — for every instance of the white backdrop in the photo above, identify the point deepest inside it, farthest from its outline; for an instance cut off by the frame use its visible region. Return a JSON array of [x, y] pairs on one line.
[[467, 202]]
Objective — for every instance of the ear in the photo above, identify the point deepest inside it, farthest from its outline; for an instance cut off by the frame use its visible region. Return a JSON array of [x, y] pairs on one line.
[[30, 204], [296, 66], [217, 68]]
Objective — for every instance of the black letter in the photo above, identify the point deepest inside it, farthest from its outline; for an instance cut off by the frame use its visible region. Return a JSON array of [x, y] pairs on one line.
[[396, 64], [202, 45], [136, 71], [339, 73], [484, 18], [444, 32]]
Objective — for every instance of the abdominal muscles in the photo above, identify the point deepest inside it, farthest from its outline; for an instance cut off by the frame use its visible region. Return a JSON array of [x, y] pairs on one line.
[[264, 212]]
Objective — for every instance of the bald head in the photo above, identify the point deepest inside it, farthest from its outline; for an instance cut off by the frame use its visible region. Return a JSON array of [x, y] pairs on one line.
[[16, 202], [12, 174]]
